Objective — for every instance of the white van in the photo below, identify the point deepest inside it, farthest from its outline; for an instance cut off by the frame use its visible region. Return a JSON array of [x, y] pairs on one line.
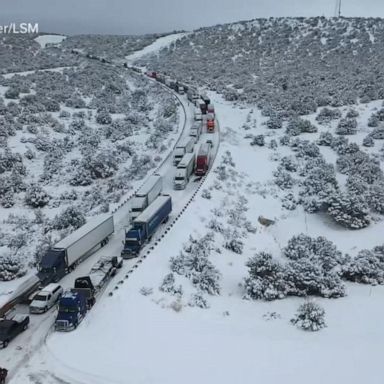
[[46, 298]]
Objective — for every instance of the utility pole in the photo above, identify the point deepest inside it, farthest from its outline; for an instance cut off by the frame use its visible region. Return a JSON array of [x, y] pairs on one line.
[[339, 8]]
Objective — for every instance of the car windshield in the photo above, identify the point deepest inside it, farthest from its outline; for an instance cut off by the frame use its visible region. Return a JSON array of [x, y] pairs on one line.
[[136, 209], [40, 298], [178, 178]]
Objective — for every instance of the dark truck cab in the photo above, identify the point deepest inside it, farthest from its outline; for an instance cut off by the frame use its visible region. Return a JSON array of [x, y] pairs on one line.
[[53, 266], [10, 328]]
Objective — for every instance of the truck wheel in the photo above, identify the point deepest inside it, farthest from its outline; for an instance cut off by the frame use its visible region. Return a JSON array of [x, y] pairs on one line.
[[25, 326], [46, 309], [5, 343]]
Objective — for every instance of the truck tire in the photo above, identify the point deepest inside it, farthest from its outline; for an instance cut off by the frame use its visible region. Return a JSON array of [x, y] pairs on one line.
[[5, 343], [46, 309], [25, 326]]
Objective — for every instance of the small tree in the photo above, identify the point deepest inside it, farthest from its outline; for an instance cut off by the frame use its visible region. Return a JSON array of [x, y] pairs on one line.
[[36, 197], [310, 317]]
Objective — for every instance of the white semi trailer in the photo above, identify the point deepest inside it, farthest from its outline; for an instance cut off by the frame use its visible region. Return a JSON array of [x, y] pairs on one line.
[[145, 195], [184, 171], [73, 249], [184, 146]]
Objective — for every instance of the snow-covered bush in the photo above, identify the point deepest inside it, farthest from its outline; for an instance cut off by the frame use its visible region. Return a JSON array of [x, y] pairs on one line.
[[376, 196], [368, 141], [326, 115], [235, 245], [266, 280], [325, 139], [103, 117], [349, 210], [11, 268], [352, 113], [288, 163], [318, 250], [373, 121], [367, 268], [258, 140], [198, 300], [289, 202], [304, 148], [347, 127], [283, 179], [36, 196], [206, 194], [356, 185], [297, 125], [377, 133], [274, 122], [193, 263], [309, 317], [168, 286], [70, 217]]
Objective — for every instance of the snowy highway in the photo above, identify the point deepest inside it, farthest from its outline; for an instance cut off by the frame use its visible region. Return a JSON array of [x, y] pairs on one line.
[[19, 352]]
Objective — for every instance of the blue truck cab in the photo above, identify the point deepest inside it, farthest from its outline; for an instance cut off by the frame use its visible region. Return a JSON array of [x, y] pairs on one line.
[[53, 266], [145, 225], [72, 309]]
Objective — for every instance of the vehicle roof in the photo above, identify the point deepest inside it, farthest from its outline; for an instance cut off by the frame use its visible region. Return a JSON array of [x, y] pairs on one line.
[[83, 230], [204, 149], [187, 158], [152, 209], [183, 142], [148, 185], [50, 287]]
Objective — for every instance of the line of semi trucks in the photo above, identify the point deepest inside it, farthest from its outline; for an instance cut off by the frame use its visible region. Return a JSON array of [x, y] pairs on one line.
[[149, 209]]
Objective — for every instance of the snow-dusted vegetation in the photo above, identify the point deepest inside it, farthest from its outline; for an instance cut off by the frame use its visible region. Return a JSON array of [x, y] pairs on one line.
[[290, 66], [73, 142]]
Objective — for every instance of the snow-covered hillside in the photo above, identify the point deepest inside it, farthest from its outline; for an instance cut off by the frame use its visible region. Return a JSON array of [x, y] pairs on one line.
[[283, 238], [286, 65]]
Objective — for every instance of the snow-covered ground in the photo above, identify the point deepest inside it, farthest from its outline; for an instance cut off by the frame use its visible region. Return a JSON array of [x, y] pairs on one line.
[[43, 40], [141, 334], [160, 43], [134, 338]]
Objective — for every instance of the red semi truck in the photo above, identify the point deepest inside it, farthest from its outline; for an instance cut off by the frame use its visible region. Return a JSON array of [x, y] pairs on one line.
[[202, 159], [210, 123]]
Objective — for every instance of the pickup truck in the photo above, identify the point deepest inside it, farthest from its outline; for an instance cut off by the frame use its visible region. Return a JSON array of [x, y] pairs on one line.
[[10, 328]]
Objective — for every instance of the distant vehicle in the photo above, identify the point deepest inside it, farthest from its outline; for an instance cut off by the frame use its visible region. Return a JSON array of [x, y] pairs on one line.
[[210, 142], [167, 81], [192, 95], [180, 89], [146, 195], [73, 249], [184, 171], [203, 107], [211, 109], [184, 146], [202, 159], [46, 298], [195, 131], [160, 78], [206, 99], [151, 74], [10, 328], [198, 116], [210, 123], [144, 226]]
